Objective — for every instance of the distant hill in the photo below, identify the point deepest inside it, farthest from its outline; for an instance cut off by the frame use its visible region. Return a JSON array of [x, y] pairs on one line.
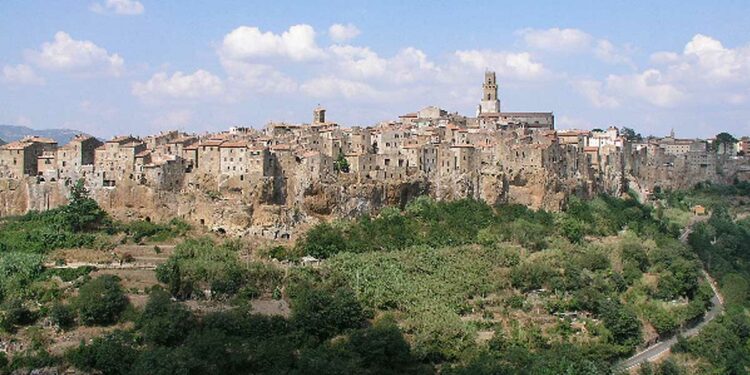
[[10, 133]]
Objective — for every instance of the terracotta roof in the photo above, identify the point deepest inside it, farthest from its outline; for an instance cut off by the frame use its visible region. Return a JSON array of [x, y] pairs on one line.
[[132, 144], [256, 147], [183, 140], [120, 139], [34, 138], [212, 142], [234, 144], [281, 147], [17, 145]]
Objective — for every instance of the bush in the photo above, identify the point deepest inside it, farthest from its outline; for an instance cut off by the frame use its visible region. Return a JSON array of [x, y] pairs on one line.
[[113, 354], [62, 315], [101, 301], [322, 241], [164, 322], [199, 264], [322, 314], [623, 323], [13, 314]]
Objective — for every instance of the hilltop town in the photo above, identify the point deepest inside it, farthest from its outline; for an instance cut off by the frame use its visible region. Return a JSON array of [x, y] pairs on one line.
[[266, 182]]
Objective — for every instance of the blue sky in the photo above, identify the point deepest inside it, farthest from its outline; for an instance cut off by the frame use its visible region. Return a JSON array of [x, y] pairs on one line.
[[124, 66]]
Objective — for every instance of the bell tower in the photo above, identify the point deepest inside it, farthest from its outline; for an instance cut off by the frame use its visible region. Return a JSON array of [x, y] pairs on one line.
[[489, 103], [319, 115]]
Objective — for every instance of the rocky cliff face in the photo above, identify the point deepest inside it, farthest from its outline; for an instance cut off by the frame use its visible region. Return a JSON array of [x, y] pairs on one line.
[[275, 207]]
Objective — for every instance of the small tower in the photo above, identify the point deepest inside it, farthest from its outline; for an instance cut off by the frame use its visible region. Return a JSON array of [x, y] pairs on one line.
[[319, 115], [489, 103]]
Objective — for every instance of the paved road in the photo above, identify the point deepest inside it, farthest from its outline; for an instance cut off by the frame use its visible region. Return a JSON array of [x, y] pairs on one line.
[[654, 351]]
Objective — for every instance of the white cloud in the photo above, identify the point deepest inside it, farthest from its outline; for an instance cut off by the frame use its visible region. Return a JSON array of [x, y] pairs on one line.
[[649, 85], [247, 43], [411, 64], [715, 61], [121, 7], [172, 119], [201, 84], [342, 33], [609, 53], [664, 57], [360, 62], [21, 74], [327, 87], [408, 65], [68, 54], [505, 64], [259, 78], [705, 72], [556, 39], [592, 90]]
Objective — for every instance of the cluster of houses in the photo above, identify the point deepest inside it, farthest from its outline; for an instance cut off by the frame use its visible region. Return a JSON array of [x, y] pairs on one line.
[[430, 143]]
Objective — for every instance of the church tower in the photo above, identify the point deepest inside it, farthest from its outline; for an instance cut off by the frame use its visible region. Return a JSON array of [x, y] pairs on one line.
[[489, 103], [319, 115]]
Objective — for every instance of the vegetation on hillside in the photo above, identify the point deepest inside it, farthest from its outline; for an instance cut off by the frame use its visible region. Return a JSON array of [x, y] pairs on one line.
[[722, 242], [460, 287]]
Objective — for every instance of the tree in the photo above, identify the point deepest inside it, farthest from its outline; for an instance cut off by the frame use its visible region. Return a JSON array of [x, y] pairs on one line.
[[341, 164], [322, 314], [62, 315], [322, 241], [723, 139], [623, 323], [112, 354], [13, 314], [382, 349], [101, 301], [82, 213], [631, 135], [164, 322]]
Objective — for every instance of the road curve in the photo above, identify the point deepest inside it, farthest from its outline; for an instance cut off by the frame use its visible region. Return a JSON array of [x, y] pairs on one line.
[[656, 350]]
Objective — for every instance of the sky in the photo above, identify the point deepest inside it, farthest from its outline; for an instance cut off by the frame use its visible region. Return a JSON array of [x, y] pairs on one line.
[[110, 67]]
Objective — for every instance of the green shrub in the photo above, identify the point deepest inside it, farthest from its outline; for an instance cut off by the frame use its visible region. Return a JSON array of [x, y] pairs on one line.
[[14, 314], [101, 301], [62, 315], [164, 322], [322, 314], [112, 354]]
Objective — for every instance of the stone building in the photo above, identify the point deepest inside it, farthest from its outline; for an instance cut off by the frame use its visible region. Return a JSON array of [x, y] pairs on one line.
[[78, 152], [19, 158], [115, 160]]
